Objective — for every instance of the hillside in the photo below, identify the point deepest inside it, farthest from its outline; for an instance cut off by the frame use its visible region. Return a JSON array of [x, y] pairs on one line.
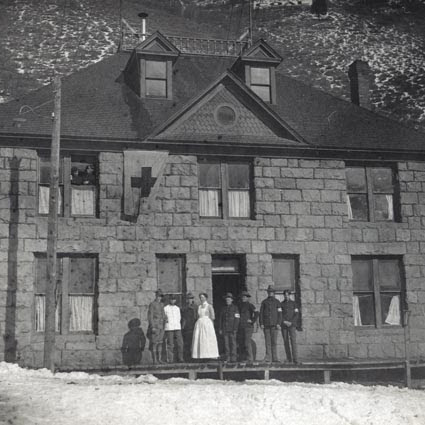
[[39, 35]]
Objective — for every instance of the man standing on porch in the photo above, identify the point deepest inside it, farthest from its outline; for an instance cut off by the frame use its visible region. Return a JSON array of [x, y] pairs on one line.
[[173, 330], [229, 323], [156, 320], [290, 315], [270, 320], [189, 317]]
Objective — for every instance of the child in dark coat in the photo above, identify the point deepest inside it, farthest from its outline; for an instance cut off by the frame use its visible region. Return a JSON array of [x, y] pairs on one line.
[[133, 344]]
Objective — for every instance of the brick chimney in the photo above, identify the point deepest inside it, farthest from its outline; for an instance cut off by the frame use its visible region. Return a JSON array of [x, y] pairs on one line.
[[360, 76]]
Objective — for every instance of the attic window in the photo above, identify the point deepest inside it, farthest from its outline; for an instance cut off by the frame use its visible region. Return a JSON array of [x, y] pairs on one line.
[[225, 116], [156, 78], [261, 83]]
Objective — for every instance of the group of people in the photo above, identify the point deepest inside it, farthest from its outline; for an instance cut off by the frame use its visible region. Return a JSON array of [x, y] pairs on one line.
[[87, 176], [189, 333]]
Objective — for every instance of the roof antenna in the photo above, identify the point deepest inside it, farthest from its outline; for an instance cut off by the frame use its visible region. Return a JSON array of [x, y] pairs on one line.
[[143, 16]]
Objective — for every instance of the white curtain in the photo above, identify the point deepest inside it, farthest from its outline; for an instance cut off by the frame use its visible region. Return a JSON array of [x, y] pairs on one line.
[[43, 200], [81, 313], [238, 203], [40, 314], [350, 211], [356, 311], [390, 207], [393, 316], [208, 203], [82, 201]]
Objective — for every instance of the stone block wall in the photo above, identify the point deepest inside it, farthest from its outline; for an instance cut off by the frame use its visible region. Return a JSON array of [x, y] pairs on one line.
[[300, 209]]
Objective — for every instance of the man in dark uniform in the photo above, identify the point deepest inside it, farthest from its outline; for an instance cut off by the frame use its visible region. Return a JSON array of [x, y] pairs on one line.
[[290, 315], [246, 327], [228, 325], [270, 320], [189, 317], [156, 320]]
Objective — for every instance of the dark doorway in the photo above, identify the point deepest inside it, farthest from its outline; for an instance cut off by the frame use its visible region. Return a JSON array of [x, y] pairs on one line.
[[228, 275]]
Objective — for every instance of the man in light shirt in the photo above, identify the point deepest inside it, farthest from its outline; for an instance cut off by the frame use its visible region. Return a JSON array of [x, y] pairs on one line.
[[173, 330]]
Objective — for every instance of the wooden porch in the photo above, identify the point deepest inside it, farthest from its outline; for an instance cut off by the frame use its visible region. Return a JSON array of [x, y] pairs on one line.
[[308, 371]]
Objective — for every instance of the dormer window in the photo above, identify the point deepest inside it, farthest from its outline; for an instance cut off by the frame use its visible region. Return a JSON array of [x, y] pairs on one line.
[[257, 67], [260, 82], [156, 78], [149, 70]]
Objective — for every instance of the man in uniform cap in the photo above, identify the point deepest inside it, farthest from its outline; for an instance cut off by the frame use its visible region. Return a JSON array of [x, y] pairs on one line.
[[228, 325], [290, 315], [189, 317], [270, 320], [156, 320], [246, 326]]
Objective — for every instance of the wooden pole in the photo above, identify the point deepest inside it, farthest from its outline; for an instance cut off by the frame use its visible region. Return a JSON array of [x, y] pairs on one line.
[[52, 230], [250, 24], [408, 377]]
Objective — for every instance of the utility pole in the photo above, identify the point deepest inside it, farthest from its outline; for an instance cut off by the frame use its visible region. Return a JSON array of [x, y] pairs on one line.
[[250, 24], [52, 231]]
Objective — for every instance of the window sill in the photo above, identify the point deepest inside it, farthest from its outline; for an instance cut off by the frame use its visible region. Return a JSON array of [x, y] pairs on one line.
[[229, 221], [376, 224], [369, 328]]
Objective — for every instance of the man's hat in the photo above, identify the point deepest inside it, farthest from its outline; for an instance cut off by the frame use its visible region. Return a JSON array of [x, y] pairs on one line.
[[270, 288], [159, 292], [228, 295], [189, 295], [245, 294]]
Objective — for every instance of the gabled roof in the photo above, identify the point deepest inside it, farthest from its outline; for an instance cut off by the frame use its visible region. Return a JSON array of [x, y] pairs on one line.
[[98, 105], [255, 121], [157, 44], [261, 51]]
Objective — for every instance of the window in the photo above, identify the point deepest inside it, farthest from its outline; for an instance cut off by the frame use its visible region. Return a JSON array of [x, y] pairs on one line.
[[378, 291], [225, 190], [77, 193], [261, 83], [76, 293], [171, 275], [286, 277], [371, 193], [156, 78]]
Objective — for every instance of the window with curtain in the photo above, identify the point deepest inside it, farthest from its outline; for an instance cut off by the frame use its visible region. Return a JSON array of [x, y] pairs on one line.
[[378, 291], [77, 193], [225, 189], [156, 78], [76, 294], [261, 82], [371, 193]]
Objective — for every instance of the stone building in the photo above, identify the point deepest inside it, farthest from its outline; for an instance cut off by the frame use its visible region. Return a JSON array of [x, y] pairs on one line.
[[211, 171]]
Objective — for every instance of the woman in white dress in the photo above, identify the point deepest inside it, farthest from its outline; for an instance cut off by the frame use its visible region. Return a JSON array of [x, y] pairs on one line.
[[204, 343]]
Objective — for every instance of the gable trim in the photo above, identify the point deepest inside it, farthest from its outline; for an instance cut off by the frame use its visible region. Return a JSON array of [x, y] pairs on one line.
[[169, 48]]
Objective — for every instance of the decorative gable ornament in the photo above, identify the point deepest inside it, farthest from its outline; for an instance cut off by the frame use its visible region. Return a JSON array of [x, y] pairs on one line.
[[143, 171]]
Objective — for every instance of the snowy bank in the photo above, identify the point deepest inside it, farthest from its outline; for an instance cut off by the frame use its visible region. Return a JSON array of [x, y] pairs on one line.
[[37, 396]]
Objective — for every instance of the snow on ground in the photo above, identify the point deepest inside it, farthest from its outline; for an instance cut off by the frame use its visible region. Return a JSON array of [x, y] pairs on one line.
[[38, 397]]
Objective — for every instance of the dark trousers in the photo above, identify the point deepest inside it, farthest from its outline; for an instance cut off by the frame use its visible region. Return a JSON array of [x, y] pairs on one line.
[[289, 335], [187, 345], [245, 343], [270, 335], [230, 345], [177, 337]]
